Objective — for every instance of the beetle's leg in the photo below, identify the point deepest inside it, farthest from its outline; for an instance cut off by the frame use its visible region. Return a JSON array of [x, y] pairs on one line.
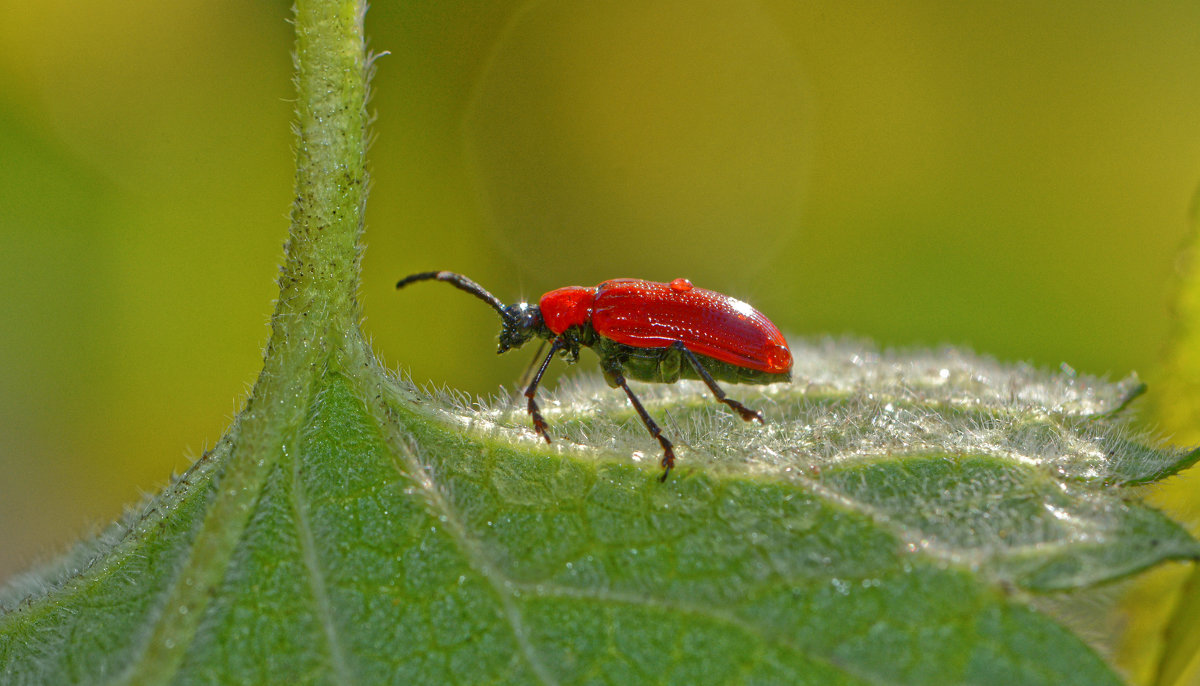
[[668, 460], [746, 413], [539, 424], [528, 373]]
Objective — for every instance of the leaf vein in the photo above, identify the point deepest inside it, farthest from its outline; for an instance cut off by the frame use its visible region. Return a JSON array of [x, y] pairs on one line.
[[407, 463], [316, 578]]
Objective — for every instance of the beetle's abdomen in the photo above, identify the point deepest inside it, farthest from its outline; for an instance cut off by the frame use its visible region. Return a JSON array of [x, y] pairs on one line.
[[647, 314]]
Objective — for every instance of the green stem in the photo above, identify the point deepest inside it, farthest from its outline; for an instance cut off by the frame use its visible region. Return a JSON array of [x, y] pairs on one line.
[[315, 318], [320, 276]]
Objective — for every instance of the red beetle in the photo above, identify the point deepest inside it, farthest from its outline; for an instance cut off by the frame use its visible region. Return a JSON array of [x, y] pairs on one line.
[[644, 330]]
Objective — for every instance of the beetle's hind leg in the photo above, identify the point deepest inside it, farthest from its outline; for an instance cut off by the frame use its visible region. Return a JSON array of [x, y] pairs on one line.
[[668, 459], [539, 424], [746, 413]]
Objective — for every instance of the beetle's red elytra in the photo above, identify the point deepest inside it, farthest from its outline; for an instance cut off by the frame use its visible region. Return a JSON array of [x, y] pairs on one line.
[[644, 330]]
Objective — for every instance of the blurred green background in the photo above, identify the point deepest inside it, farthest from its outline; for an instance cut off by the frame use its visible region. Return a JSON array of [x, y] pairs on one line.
[[1015, 178]]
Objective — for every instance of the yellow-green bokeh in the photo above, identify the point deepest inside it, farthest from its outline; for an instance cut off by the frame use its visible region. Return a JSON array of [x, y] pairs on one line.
[[1013, 177]]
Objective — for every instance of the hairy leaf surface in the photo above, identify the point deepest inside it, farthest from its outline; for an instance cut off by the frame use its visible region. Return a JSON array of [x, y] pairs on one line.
[[873, 531]]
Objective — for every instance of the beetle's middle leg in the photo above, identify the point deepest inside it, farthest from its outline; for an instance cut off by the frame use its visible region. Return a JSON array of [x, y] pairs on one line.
[[746, 413], [668, 460]]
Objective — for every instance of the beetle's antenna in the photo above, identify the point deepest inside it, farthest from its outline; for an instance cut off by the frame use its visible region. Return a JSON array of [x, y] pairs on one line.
[[460, 282]]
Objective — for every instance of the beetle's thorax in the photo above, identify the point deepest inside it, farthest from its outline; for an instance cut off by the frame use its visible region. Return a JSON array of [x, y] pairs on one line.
[[563, 308]]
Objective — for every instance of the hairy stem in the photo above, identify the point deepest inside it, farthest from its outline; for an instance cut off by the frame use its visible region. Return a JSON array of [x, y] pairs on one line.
[[315, 317]]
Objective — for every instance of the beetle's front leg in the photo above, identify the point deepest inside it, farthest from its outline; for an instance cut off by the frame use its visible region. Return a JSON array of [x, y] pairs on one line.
[[539, 424]]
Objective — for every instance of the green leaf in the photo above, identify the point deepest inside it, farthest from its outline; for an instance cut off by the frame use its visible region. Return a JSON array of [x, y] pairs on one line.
[[892, 521], [387, 541]]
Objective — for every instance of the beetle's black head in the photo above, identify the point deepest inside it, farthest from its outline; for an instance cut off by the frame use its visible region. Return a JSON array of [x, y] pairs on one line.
[[521, 322]]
